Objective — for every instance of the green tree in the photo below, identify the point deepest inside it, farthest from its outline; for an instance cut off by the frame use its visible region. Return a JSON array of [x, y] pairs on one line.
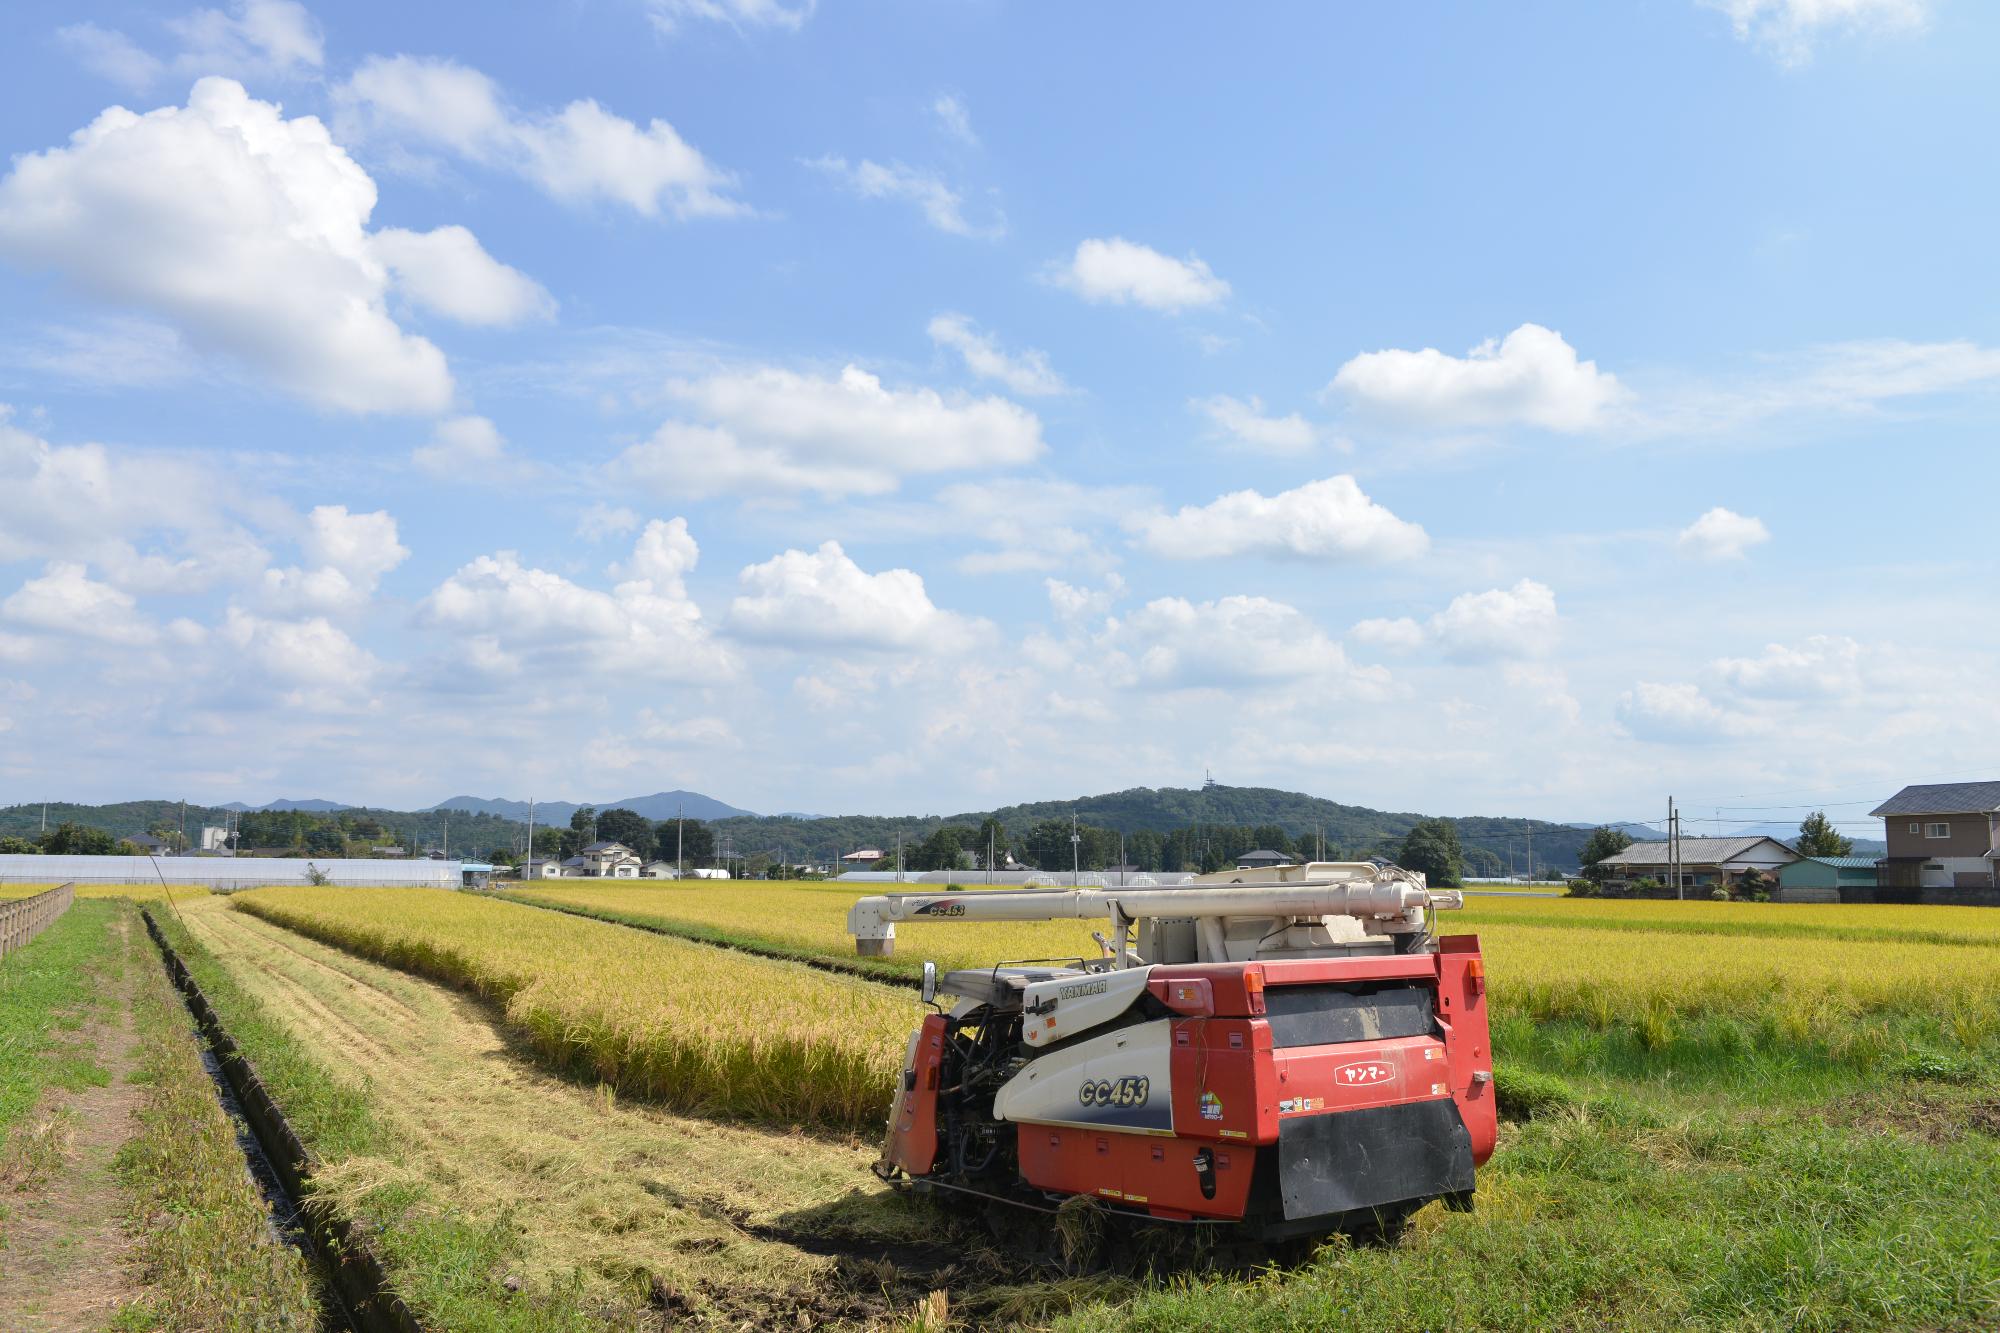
[[1601, 843], [1431, 846], [13, 846], [326, 840], [991, 836], [1047, 845], [943, 849], [1818, 837], [581, 819], [626, 826], [67, 839], [697, 842]]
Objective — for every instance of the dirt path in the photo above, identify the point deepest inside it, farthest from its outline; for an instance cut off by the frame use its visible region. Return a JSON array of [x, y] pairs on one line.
[[67, 1261], [622, 1195]]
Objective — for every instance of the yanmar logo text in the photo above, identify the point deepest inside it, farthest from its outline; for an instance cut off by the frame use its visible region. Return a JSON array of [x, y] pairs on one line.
[[1362, 1073]]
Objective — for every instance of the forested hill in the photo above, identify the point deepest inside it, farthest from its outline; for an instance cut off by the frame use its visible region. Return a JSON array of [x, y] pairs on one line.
[[1349, 830]]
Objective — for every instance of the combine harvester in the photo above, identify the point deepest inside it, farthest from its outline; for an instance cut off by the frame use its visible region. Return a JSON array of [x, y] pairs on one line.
[[1290, 1052]]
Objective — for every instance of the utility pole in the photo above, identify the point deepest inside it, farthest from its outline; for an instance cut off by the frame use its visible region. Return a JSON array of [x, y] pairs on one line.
[[447, 835], [991, 835], [529, 859], [1121, 860], [184, 820], [1674, 847], [899, 856], [1530, 826], [1075, 852], [680, 831]]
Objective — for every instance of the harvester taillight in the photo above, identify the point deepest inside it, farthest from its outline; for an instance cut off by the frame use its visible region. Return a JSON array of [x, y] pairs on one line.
[[1253, 986], [1475, 974]]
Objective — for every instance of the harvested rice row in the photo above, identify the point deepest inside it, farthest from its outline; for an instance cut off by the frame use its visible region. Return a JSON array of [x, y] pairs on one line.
[[689, 1026]]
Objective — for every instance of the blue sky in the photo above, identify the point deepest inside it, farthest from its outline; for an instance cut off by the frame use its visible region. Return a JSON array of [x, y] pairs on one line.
[[1525, 410]]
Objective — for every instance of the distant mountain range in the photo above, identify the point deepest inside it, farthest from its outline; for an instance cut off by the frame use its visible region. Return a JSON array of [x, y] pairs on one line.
[[316, 807], [660, 805]]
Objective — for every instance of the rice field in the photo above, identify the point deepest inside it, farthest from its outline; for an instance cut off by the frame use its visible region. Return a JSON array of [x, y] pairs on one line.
[[679, 1023], [139, 893], [1791, 972]]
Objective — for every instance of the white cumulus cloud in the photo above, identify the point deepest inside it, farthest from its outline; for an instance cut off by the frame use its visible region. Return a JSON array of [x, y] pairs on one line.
[[822, 598], [1121, 272], [1476, 626], [346, 555], [580, 153], [471, 449], [1321, 520], [1027, 373], [768, 429], [447, 271], [66, 600], [1174, 643], [1679, 713], [247, 230], [646, 625], [1532, 377], [149, 522], [1823, 666], [1722, 534], [1243, 422]]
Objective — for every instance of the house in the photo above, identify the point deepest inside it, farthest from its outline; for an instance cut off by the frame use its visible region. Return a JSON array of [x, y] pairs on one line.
[[610, 860], [659, 870], [541, 867], [1827, 879], [574, 866], [864, 859], [1705, 862], [1262, 859], [1941, 836]]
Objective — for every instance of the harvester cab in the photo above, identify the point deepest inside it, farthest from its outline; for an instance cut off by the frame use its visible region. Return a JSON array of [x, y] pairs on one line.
[[1291, 1051]]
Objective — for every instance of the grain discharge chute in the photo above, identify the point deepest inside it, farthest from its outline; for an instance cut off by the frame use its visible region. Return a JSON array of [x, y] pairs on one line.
[[1289, 1051]]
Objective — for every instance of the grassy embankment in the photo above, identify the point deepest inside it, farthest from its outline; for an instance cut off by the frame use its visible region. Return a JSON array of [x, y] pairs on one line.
[[206, 1255], [205, 1239], [444, 1266], [595, 1206]]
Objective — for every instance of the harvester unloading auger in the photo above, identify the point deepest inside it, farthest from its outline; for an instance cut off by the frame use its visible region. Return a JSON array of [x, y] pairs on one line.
[[1293, 1051]]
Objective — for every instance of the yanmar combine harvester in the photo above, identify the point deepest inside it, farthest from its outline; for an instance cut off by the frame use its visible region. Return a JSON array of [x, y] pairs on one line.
[[1293, 1051]]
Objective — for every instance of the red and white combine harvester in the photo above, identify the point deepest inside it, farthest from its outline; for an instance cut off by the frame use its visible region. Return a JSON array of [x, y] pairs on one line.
[[1294, 1051]]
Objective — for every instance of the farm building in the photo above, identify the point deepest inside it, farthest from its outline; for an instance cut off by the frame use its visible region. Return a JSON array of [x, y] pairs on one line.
[[1705, 862], [1827, 879], [1941, 836], [1262, 859], [659, 870], [864, 859]]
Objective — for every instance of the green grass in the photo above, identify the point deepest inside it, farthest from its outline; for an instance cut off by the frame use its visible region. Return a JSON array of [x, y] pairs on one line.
[[1633, 1209], [48, 990], [445, 1267], [204, 1236]]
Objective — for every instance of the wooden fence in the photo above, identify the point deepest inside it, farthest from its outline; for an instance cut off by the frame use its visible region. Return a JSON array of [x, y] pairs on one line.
[[22, 920]]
